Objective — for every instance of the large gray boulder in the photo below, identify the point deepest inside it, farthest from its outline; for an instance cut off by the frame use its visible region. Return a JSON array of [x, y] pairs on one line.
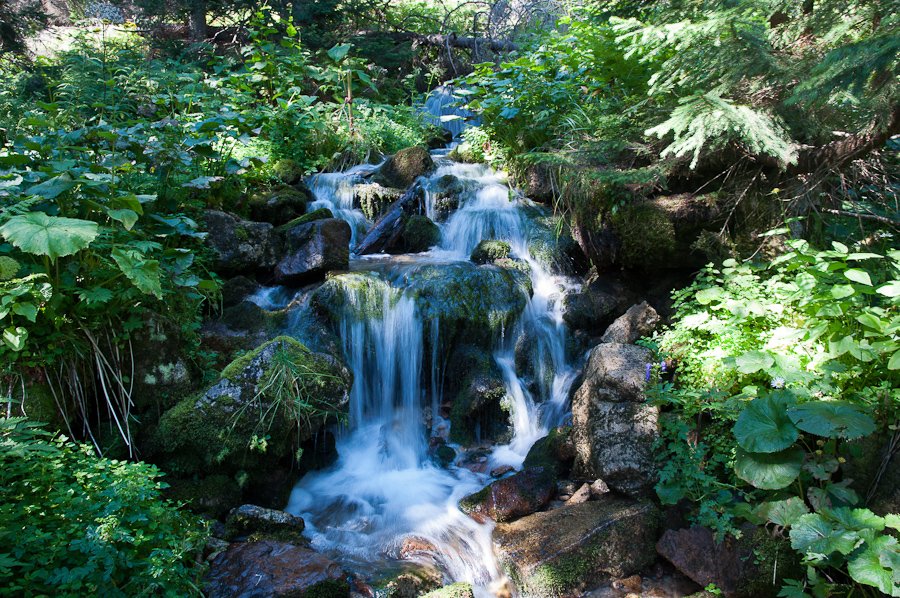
[[271, 569], [577, 547], [613, 429], [312, 250], [599, 303], [240, 246], [403, 168], [639, 321]]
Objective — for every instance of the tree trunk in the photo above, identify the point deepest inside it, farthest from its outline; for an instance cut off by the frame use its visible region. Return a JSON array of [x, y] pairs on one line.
[[198, 21]]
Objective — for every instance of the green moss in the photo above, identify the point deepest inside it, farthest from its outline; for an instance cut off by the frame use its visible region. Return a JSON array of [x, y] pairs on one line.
[[490, 251], [241, 233], [420, 234], [550, 242], [445, 455], [546, 451], [403, 168], [646, 234], [459, 589], [319, 214], [473, 501], [330, 588], [289, 171], [374, 200], [772, 558]]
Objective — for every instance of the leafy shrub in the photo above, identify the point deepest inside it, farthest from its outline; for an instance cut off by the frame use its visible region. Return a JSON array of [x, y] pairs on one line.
[[74, 525]]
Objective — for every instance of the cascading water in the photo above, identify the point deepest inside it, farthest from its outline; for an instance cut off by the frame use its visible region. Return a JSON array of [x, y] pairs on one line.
[[383, 488], [334, 190]]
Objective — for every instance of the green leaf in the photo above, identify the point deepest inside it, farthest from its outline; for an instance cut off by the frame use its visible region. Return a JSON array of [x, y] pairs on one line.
[[53, 187], [670, 492], [142, 272], [764, 426], [707, 296], [878, 565], [834, 419], [769, 471], [891, 289], [128, 218], [815, 534], [29, 310], [857, 275], [95, 295], [338, 53], [15, 338], [785, 512], [842, 291], [203, 182], [754, 361], [54, 236], [894, 362]]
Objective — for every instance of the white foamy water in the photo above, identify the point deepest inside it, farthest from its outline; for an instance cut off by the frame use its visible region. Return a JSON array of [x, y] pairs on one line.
[[334, 190]]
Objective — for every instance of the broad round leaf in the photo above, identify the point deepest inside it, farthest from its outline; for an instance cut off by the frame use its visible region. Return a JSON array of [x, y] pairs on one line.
[[834, 419], [54, 236], [785, 512], [769, 471], [878, 565], [764, 426], [815, 534]]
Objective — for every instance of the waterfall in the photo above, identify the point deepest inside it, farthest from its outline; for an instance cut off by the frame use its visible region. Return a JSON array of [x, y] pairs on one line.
[[384, 488], [334, 190]]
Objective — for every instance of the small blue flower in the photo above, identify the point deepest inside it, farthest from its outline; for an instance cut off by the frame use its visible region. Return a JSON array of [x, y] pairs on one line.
[[662, 366], [649, 371]]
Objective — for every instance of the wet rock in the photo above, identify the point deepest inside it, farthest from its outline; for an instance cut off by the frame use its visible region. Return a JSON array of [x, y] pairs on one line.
[[639, 321], [250, 317], [499, 472], [237, 289], [162, 370], [241, 246], [385, 234], [478, 410], [581, 495], [537, 181], [445, 455], [411, 584], [446, 192], [740, 568], [420, 234], [313, 249], [416, 546], [320, 214], [271, 569], [599, 303], [258, 523], [459, 589], [629, 584], [576, 547], [555, 451], [281, 204], [490, 251], [374, 200], [550, 242], [252, 405], [403, 168], [289, 171], [518, 495], [599, 488], [613, 429]]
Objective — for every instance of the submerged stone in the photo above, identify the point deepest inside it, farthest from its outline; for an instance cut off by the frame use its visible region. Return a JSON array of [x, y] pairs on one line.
[[576, 547]]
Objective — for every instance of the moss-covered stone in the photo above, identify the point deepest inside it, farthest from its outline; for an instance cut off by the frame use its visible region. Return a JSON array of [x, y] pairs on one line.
[[490, 251], [445, 193], [479, 403], [576, 547], [420, 234], [39, 404], [250, 317], [330, 588], [646, 234], [280, 204], [555, 451], [445, 455], [254, 416], [374, 199], [237, 289], [551, 243], [289, 171], [410, 582], [459, 589], [320, 214], [403, 168], [258, 523]]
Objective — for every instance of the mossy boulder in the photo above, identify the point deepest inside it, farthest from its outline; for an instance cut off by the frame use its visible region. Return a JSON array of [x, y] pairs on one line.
[[312, 250], [480, 403], [39, 404], [472, 303], [403, 168], [550, 243], [554, 452], [646, 234], [241, 247], [518, 495], [237, 289], [602, 299], [289, 171], [459, 589], [410, 583], [280, 204], [320, 214], [466, 152], [264, 404], [490, 251], [163, 372], [420, 234], [445, 193], [374, 199], [257, 523], [577, 547]]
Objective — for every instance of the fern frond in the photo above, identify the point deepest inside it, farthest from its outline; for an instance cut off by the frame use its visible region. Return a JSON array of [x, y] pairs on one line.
[[708, 118]]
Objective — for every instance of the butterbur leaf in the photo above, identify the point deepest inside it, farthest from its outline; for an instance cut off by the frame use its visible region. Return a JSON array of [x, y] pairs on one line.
[[769, 471], [764, 426], [29, 310], [785, 512], [878, 565], [670, 492], [815, 534], [128, 218], [53, 236], [834, 419], [842, 492], [53, 187], [337, 53], [15, 337], [754, 361], [818, 498], [203, 182], [707, 296], [142, 272]]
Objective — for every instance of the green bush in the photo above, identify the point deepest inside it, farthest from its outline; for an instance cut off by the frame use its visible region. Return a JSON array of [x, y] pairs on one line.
[[74, 525]]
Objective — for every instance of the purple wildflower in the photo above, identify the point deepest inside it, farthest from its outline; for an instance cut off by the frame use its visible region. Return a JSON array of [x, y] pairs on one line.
[[649, 370]]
